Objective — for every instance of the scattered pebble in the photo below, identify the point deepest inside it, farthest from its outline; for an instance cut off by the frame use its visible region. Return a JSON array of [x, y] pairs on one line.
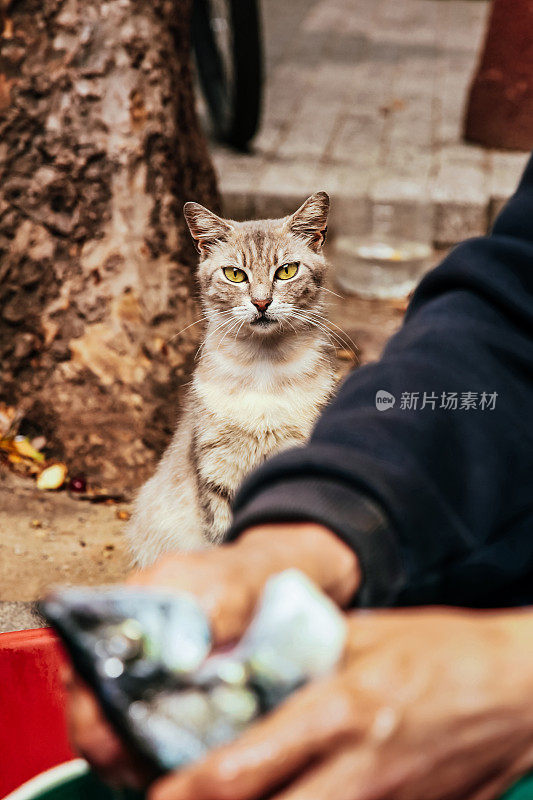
[[36, 523], [52, 477], [121, 513]]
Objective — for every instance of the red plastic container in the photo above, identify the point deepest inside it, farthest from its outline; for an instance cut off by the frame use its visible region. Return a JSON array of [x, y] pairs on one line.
[[33, 734]]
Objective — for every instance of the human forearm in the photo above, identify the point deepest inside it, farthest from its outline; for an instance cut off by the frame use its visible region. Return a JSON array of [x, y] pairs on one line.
[[357, 522]]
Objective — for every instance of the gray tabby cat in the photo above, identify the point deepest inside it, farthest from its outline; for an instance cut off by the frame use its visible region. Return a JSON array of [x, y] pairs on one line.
[[265, 371]]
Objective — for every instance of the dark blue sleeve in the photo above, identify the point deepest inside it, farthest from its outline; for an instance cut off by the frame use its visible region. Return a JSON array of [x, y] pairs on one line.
[[436, 500]]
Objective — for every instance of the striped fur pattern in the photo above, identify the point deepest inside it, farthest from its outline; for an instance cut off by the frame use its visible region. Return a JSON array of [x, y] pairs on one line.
[[261, 379]]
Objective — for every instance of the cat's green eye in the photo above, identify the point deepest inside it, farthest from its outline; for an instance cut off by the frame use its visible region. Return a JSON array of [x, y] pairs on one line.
[[287, 271], [235, 275]]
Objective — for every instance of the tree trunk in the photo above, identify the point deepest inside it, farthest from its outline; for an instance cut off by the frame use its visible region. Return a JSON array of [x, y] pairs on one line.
[[500, 105], [99, 148]]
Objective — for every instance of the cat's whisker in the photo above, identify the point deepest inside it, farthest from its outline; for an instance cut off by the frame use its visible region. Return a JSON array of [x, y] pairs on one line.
[[232, 327], [209, 334], [334, 337], [340, 341], [219, 327], [286, 308], [204, 318], [330, 322], [347, 342], [198, 353], [311, 322], [204, 343], [329, 335], [324, 289], [239, 328], [332, 342], [175, 335]]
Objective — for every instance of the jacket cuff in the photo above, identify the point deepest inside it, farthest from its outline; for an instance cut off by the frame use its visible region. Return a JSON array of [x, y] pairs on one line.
[[353, 516]]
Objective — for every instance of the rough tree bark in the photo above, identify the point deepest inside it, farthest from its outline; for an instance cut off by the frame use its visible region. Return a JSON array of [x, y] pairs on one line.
[[500, 104], [99, 148]]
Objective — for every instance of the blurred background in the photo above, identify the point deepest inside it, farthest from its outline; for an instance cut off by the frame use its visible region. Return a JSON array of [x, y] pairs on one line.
[[368, 101]]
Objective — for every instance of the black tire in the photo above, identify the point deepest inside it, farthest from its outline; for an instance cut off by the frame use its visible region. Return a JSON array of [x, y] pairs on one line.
[[231, 81]]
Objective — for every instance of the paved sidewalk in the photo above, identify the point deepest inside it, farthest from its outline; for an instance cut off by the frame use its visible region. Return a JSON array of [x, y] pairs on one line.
[[18, 616], [364, 98]]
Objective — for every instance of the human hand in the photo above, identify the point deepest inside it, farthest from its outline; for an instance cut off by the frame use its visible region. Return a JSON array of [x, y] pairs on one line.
[[93, 738], [227, 582], [431, 704]]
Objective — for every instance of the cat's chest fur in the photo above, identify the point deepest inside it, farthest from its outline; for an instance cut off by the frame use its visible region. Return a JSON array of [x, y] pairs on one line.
[[258, 412]]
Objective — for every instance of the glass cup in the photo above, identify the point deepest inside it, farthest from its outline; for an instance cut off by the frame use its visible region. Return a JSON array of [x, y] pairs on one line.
[[389, 260]]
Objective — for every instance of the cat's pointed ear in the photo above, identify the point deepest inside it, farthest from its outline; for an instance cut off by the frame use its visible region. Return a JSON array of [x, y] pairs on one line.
[[206, 228], [311, 220]]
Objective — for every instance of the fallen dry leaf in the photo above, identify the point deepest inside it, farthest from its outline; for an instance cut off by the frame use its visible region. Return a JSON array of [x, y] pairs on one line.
[[24, 447]]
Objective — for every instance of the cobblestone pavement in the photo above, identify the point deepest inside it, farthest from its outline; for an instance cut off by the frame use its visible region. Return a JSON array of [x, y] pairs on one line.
[[364, 98]]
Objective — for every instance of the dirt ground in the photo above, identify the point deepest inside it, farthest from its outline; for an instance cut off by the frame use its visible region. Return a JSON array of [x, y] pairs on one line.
[[50, 537]]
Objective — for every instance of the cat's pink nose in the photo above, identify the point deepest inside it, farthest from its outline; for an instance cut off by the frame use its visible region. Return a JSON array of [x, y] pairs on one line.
[[262, 305]]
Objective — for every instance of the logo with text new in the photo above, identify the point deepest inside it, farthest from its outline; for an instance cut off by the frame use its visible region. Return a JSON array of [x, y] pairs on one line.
[[384, 400]]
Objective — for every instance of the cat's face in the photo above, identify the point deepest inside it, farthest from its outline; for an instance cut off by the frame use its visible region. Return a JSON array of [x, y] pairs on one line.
[[261, 277]]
